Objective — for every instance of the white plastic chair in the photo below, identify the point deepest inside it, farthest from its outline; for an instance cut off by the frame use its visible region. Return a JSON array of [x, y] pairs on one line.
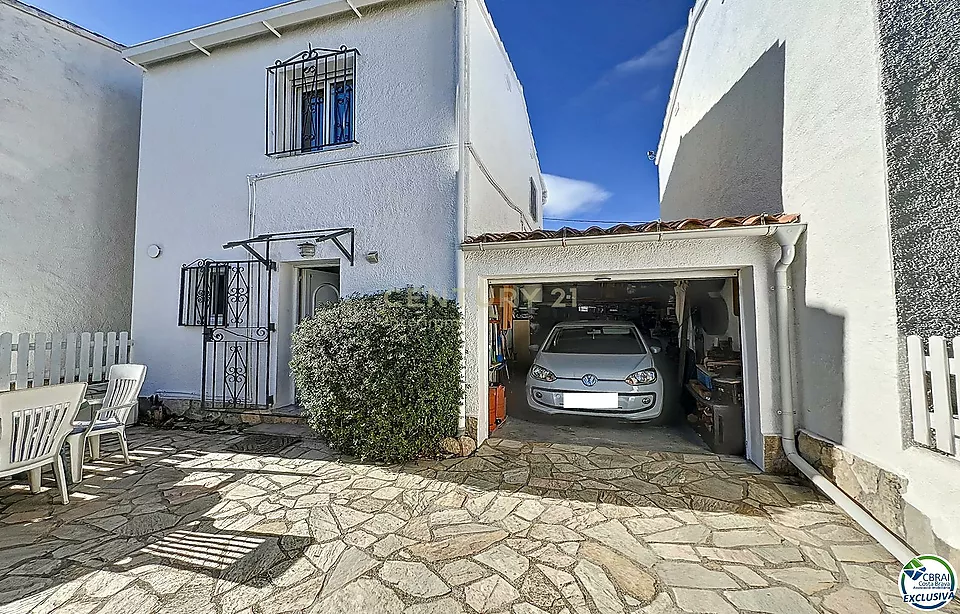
[[123, 390], [33, 425]]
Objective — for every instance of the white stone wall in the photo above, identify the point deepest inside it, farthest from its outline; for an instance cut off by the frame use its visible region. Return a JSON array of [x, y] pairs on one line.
[[752, 257], [69, 129], [499, 134], [779, 108]]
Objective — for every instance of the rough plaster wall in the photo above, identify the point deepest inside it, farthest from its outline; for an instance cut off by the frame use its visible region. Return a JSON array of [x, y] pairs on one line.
[[197, 153], [69, 131], [832, 171], [755, 256], [921, 78], [500, 134], [920, 74]]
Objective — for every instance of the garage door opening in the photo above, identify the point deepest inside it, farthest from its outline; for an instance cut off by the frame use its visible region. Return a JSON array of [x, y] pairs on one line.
[[651, 363]]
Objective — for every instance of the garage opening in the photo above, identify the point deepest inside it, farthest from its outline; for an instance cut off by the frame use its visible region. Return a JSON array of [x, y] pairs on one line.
[[651, 363]]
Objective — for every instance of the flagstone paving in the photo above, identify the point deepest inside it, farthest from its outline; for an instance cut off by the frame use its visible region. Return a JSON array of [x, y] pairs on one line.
[[524, 528]]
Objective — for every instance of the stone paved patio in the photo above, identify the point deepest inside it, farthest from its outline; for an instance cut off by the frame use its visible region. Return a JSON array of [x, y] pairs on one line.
[[520, 527]]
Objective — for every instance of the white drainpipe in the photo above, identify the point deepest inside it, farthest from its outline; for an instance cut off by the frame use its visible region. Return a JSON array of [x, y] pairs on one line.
[[787, 236], [463, 138]]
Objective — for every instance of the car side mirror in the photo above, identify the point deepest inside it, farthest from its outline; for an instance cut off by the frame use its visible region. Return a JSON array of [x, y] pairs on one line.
[[534, 349], [655, 349]]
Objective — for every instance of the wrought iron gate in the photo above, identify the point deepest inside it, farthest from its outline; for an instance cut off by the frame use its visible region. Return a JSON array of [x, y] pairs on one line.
[[231, 301]]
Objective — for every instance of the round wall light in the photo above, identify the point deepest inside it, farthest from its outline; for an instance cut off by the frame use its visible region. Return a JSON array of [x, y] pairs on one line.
[[154, 250], [308, 249]]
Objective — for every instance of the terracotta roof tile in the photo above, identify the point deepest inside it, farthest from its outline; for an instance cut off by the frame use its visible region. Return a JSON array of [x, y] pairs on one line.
[[626, 229]]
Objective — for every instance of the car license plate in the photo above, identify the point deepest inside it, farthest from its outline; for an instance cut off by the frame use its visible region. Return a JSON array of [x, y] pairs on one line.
[[590, 400]]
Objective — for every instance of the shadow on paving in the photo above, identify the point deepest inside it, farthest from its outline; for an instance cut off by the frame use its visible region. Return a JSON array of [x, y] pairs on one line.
[[628, 477], [192, 528], [131, 519]]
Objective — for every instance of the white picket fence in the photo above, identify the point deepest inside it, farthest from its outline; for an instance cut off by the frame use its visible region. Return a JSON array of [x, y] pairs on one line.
[[41, 359], [934, 392]]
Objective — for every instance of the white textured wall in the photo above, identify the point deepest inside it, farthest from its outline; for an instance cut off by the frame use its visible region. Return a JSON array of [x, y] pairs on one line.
[[203, 133], [69, 129], [499, 134], [779, 109], [921, 76], [754, 257]]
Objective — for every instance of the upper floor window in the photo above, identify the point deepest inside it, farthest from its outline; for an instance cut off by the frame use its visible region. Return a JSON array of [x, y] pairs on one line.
[[534, 199], [310, 101]]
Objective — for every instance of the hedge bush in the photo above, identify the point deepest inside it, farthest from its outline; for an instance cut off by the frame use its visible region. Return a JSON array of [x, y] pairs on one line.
[[379, 375]]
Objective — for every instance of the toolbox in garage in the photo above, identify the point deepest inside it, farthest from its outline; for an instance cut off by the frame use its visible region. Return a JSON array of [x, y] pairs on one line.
[[719, 423], [718, 392]]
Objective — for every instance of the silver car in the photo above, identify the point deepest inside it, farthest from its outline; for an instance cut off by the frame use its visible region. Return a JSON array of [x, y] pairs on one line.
[[596, 368]]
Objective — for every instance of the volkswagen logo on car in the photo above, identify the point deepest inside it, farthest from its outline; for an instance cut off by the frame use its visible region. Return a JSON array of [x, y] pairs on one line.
[[589, 379], [928, 582]]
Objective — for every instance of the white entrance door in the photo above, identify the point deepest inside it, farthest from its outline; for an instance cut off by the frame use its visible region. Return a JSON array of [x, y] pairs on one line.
[[316, 287]]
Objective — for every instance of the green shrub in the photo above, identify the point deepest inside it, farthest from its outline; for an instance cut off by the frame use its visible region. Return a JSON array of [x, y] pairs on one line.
[[379, 376]]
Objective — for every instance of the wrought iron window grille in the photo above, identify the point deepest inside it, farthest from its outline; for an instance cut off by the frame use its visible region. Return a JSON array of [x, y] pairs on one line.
[[217, 293], [311, 102], [202, 294]]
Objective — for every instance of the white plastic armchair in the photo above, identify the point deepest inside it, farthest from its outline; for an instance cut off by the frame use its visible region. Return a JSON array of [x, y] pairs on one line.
[[123, 391], [33, 425]]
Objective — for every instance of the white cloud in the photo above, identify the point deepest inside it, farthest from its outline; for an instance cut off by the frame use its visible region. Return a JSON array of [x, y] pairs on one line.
[[662, 54], [566, 196]]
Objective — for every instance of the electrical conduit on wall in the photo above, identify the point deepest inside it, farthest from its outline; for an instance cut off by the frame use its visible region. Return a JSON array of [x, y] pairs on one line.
[[252, 180], [496, 186], [463, 136]]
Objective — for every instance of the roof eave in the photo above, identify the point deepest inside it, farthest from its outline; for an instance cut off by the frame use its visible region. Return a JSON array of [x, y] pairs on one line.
[[64, 24], [694, 19], [239, 28], [638, 237]]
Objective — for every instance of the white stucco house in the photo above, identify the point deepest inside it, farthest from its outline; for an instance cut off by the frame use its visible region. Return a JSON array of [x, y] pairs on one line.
[[69, 135], [351, 145]]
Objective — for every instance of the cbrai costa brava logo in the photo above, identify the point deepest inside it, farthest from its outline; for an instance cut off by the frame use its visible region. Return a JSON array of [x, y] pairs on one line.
[[928, 582]]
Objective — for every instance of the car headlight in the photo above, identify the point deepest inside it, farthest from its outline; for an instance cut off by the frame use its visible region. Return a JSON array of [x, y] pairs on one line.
[[642, 378], [544, 375]]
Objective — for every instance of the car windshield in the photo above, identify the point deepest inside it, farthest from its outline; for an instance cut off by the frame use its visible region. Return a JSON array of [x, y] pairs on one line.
[[595, 340]]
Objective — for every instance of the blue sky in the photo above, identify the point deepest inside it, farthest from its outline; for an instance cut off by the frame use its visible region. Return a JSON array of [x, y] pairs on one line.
[[596, 74]]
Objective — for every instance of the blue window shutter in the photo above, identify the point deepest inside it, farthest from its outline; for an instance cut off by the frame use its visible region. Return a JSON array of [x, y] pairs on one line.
[[341, 123], [312, 123]]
